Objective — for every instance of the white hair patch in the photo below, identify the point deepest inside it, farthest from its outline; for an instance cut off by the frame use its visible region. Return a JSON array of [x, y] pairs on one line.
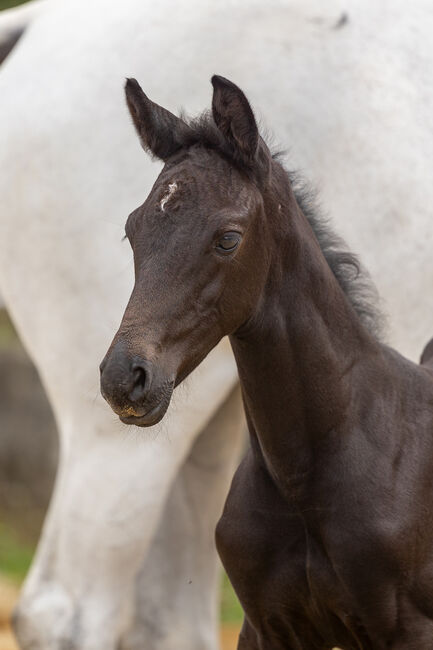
[[172, 187]]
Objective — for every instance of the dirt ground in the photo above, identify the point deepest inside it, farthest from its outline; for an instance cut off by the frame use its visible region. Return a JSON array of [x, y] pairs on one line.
[[9, 594], [229, 637]]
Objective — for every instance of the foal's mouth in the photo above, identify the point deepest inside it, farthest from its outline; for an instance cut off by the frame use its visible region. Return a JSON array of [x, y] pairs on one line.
[[151, 417]]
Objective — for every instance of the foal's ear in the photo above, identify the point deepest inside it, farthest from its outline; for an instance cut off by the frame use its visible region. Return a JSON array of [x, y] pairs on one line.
[[161, 132], [234, 117]]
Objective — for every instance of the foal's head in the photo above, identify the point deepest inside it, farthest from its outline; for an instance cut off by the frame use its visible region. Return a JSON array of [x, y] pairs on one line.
[[201, 248]]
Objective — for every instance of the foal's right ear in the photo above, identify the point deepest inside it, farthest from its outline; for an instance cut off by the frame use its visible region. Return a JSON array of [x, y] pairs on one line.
[[160, 132]]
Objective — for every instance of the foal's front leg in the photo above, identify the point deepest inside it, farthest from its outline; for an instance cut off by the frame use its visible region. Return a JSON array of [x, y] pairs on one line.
[[249, 640]]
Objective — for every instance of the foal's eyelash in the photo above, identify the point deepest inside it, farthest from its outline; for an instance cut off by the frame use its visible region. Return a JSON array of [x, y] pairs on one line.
[[124, 237]]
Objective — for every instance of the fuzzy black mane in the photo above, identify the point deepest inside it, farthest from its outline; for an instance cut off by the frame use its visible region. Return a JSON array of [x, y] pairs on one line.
[[204, 132], [346, 267]]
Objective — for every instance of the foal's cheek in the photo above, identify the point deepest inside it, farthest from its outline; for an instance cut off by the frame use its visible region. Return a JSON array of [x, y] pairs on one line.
[[234, 309], [247, 284]]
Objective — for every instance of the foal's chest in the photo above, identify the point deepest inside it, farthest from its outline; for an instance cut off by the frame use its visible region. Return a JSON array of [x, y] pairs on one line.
[[286, 584]]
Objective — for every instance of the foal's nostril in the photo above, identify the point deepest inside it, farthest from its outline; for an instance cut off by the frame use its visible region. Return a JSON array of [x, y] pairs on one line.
[[139, 383], [126, 381]]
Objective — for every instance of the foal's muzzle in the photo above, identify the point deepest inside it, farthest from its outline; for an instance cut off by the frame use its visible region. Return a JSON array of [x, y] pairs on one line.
[[134, 387]]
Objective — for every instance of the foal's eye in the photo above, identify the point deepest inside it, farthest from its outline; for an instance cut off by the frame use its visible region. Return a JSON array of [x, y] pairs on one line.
[[228, 242]]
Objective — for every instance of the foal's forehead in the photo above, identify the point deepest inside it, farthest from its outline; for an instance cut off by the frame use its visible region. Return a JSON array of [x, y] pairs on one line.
[[201, 181]]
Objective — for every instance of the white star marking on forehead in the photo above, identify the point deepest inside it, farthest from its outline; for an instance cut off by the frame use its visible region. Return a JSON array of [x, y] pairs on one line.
[[172, 187]]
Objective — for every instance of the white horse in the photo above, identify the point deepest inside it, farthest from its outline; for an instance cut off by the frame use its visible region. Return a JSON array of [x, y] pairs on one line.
[[126, 558]]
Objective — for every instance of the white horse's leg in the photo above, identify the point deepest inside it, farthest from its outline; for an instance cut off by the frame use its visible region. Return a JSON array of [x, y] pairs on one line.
[[182, 564], [110, 493]]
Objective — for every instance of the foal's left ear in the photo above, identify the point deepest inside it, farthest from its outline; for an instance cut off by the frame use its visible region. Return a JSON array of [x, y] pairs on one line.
[[234, 117], [161, 132]]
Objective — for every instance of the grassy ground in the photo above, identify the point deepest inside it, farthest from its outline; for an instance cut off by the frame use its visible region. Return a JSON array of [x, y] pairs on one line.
[[15, 555], [231, 611], [8, 338]]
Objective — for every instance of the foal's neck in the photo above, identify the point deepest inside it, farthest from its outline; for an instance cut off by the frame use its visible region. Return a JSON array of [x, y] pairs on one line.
[[297, 354]]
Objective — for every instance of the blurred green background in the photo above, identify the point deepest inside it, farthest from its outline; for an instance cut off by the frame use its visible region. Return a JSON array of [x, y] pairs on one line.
[[6, 4]]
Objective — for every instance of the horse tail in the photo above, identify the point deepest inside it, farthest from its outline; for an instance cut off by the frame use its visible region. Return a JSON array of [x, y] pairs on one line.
[[14, 22], [427, 354]]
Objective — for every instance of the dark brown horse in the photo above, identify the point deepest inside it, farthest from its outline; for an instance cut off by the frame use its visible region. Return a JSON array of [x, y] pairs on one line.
[[327, 534]]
